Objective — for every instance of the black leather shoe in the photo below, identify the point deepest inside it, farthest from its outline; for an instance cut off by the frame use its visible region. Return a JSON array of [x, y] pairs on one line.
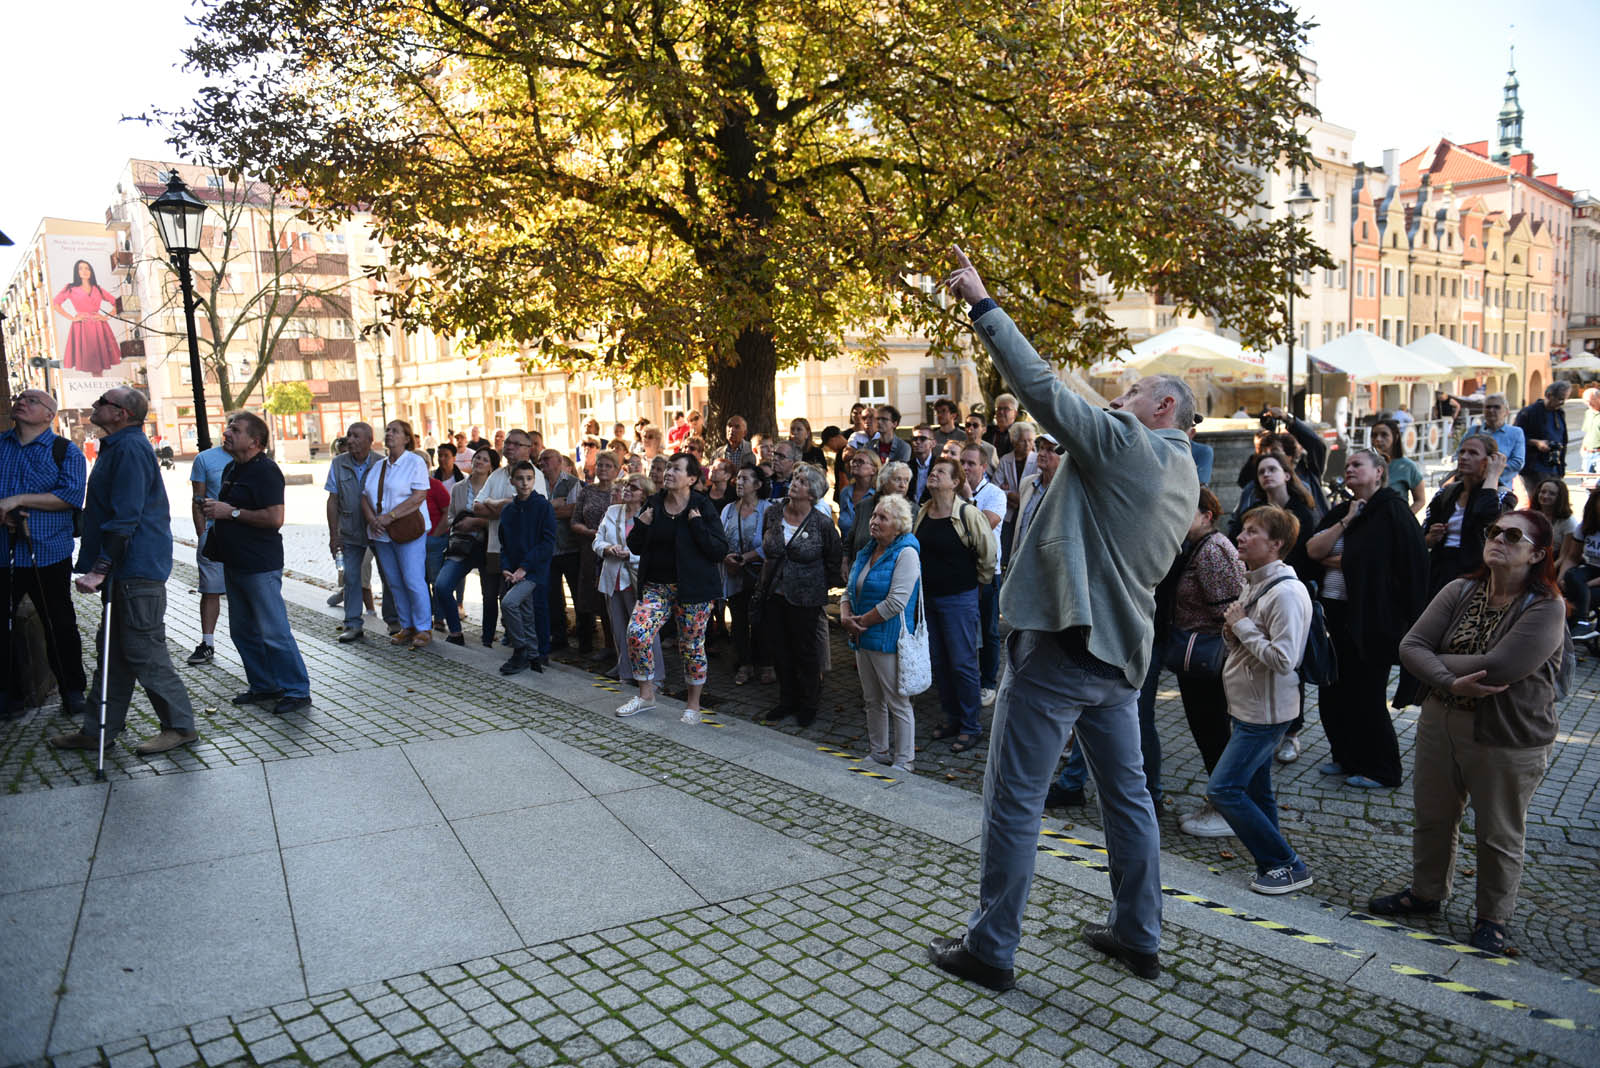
[[776, 715], [251, 697], [1060, 797], [950, 955], [519, 662], [1144, 965], [290, 704]]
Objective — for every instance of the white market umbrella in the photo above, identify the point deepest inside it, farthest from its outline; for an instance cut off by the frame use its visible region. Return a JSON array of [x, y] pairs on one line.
[[1184, 350], [1579, 363], [1440, 349], [1367, 358]]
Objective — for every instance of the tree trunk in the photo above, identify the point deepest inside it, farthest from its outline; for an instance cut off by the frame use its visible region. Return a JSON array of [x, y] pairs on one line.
[[745, 385]]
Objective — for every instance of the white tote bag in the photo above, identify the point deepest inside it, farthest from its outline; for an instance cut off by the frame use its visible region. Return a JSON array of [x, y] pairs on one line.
[[913, 667]]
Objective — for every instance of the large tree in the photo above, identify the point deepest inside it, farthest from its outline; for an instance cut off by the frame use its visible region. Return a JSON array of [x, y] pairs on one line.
[[646, 188]]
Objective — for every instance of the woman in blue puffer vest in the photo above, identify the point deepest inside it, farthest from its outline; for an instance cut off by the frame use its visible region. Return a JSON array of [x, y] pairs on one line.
[[886, 579]]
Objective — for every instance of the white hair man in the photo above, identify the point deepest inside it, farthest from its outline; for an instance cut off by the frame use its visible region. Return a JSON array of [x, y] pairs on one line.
[[1082, 617]]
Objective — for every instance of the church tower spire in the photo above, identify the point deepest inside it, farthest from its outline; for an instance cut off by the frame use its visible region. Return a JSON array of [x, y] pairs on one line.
[[1510, 125]]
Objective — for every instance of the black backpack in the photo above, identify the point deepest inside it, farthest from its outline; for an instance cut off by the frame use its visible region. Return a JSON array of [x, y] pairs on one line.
[[1319, 665], [58, 450]]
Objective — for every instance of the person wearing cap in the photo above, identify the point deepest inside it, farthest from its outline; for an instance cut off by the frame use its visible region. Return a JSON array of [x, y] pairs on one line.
[[42, 479]]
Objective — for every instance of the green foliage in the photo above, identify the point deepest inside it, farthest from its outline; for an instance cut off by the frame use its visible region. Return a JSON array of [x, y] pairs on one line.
[[288, 398], [645, 188]]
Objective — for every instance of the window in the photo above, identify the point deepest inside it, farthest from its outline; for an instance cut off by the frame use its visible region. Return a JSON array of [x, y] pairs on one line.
[[1343, 275], [1330, 207], [1455, 288], [1427, 286], [1341, 330], [1366, 231], [1360, 284], [1400, 282], [1327, 333], [216, 181], [1386, 330], [1416, 285], [1386, 280], [873, 391], [1474, 335]]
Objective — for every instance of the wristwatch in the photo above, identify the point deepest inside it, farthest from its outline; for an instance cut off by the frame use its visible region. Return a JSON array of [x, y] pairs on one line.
[[234, 514]]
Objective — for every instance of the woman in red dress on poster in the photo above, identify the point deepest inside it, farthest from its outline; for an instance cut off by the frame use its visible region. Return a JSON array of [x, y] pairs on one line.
[[91, 346]]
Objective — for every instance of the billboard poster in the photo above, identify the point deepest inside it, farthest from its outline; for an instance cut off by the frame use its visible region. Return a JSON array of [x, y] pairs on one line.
[[84, 303]]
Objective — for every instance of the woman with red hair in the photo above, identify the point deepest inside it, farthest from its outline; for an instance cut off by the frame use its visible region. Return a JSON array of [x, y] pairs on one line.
[[1488, 651]]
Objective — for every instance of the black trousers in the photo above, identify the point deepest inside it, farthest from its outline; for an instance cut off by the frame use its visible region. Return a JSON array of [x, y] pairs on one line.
[[748, 645], [1205, 705], [566, 566], [489, 585], [791, 633], [1355, 714], [50, 589]]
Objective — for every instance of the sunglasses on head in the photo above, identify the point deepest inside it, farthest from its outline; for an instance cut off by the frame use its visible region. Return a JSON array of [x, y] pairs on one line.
[[1510, 535]]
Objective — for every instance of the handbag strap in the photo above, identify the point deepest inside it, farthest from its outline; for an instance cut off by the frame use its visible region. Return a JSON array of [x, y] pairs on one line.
[[383, 470]]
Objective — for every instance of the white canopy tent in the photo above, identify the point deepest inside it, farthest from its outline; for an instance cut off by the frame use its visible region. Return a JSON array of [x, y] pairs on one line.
[[1189, 350], [1586, 362], [1370, 360], [1453, 354]]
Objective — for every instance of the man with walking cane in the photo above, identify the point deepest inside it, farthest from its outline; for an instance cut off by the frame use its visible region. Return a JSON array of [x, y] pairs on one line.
[[126, 555], [41, 485]]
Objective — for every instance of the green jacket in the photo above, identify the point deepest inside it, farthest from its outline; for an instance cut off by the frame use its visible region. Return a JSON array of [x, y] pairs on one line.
[[1112, 521]]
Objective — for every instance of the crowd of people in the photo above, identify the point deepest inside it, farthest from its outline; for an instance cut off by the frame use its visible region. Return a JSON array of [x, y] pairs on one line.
[[1092, 532]]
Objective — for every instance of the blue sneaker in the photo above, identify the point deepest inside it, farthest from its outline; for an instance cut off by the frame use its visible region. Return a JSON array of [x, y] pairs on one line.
[[1331, 768], [1284, 879], [1364, 783]]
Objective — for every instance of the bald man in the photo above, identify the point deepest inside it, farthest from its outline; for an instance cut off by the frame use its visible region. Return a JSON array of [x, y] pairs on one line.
[[41, 485]]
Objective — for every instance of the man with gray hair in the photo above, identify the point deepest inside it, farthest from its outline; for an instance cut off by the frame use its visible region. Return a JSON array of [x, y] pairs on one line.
[[126, 557], [1589, 446], [1103, 536], [347, 530], [1496, 424]]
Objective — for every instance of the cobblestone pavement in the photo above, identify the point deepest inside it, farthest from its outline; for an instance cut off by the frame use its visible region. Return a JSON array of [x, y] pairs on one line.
[[831, 971]]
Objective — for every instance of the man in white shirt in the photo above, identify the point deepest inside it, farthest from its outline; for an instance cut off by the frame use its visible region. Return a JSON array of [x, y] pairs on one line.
[[493, 497], [991, 501]]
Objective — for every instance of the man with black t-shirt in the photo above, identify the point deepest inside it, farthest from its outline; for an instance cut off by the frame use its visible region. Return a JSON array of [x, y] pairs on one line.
[[244, 538]]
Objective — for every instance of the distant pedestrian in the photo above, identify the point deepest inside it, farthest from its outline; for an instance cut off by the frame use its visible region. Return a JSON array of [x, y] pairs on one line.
[[41, 489], [1544, 426], [879, 605], [247, 516], [126, 556]]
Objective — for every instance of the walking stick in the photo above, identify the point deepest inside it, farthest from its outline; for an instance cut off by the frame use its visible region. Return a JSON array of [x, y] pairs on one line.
[[105, 677]]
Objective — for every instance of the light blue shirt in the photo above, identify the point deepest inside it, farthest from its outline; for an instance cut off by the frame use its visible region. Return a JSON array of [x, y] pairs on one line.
[[1513, 446], [207, 469]]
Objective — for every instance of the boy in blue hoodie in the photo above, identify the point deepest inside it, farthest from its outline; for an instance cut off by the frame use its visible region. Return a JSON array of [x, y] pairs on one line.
[[527, 544]]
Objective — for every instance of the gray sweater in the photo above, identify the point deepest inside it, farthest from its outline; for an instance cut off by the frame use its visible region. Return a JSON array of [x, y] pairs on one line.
[[1110, 524]]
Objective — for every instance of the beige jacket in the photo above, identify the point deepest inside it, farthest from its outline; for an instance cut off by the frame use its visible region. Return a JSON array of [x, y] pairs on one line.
[[1265, 647]]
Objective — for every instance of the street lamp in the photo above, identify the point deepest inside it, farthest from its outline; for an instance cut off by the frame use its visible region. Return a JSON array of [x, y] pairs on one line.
[[1299, 208], [178, 214]]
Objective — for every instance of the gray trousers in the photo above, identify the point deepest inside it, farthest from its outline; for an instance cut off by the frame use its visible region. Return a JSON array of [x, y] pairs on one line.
[[138, 653], [885, 708], [1043, 697]]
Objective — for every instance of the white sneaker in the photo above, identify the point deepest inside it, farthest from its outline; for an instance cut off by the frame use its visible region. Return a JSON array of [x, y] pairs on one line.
[[986, 697], [633, 706], [689, 716], [1289, 749], [906, 768], [1206, 822]]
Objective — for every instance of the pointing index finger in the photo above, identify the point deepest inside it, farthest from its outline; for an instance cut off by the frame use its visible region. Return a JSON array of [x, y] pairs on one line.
[[961, 257]]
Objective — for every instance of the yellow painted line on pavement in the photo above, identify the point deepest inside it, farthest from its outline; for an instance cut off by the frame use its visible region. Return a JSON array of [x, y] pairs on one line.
[[1430, 938], [1484, 996], [842, 755]]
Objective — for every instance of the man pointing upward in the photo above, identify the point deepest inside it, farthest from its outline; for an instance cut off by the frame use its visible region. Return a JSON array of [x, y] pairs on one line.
[[1102, 538]]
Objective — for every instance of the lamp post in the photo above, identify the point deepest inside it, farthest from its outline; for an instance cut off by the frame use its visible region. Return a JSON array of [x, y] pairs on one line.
[[1299, 203], [178, 215]]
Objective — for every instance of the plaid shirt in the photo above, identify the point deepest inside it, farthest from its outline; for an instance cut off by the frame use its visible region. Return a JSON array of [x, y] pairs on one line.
[[31, 468]]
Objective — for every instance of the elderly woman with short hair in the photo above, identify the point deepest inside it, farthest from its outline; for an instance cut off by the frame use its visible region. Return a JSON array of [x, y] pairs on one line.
[[893, 478], [801, 550], [885, 580]]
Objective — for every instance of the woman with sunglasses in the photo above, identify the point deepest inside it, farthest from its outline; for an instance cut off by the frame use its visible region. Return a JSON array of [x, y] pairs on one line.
[[1374, 586], [1489, 650]]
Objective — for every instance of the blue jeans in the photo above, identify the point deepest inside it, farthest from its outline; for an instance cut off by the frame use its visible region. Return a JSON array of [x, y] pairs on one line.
[[448, 586], [1241, 789], [354, 557], [433, 561], [526, 607], [953, 651], [989, 618], [405, 579], [258, 623], [1075, 770], [1043, 697]]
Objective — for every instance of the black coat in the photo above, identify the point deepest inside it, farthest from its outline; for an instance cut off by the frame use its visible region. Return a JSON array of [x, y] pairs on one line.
[[698, 551], [1385, 568], [1445, 565]]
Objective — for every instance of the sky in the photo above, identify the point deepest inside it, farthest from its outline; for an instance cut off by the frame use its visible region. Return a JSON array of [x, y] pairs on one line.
[[1400, 74]]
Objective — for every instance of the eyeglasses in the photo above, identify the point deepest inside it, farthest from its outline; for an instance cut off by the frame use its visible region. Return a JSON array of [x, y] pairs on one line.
[[108, 403], [974, 426], [1509, 535], [922, 437]]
